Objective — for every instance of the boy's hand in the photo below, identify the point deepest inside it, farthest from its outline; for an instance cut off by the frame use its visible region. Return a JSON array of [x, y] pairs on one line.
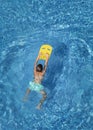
[[40, 53], [47, 56]]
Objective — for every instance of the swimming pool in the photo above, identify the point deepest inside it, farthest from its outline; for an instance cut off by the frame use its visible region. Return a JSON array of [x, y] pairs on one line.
[[67, 26]]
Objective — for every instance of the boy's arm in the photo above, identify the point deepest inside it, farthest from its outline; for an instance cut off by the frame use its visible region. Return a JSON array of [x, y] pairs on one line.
[[36, 61], [46, 63]]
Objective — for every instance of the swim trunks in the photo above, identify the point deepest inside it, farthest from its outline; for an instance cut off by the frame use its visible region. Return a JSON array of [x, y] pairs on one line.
[[35, 86]]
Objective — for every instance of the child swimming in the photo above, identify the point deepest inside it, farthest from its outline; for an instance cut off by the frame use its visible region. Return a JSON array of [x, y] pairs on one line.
[[39, 72]]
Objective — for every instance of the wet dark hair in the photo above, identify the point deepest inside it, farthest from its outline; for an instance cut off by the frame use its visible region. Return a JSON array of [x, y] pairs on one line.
[[39, 68]]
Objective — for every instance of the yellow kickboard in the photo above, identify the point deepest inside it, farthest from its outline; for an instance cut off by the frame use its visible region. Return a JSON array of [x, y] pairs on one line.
[[45, 49]]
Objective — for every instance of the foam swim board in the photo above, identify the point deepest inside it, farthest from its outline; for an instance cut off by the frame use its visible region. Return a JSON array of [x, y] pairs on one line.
[[45, 49]]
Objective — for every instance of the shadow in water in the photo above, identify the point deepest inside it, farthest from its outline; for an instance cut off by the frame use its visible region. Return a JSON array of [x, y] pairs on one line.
[[55, 66]]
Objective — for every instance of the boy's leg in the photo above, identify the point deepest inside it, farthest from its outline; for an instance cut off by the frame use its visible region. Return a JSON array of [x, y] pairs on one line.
[[26, 95], [44, 94]]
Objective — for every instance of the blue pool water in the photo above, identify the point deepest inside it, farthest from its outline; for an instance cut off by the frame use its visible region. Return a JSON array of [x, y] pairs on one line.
[[66, 25]]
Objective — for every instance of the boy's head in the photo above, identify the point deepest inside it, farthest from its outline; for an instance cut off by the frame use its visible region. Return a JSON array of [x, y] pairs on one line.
[[39, 68]]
